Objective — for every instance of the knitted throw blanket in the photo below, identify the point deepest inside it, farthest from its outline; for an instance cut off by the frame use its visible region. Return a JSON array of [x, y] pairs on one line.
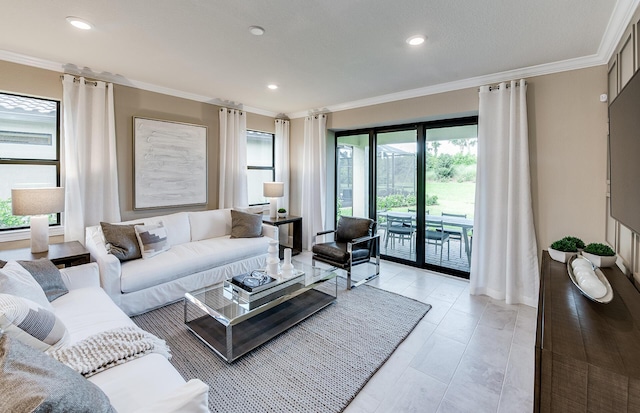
[[108, 349]]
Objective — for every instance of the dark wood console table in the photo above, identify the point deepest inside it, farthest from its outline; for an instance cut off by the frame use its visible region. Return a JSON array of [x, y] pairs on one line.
[[297, 231], [66, 254], [587, 354]]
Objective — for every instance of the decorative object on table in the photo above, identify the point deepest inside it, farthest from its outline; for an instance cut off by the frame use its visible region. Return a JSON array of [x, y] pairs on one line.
[[282, 213], [287, 267], [170, 164], [39, 203], [254, 281], [600, 255], [273, 262], [563, 249], [273, 191], [590, 280]]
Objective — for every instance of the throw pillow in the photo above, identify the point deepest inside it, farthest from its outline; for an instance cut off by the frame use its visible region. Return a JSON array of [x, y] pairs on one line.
[[121, 241], [48, 276], [244, 225], [28, 322], [15, 280], [2, 263], [34, 382], [152, 239]]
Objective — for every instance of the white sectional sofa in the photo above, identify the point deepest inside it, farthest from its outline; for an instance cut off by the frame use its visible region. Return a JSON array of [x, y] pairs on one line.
[[201, 253], [145, 384]]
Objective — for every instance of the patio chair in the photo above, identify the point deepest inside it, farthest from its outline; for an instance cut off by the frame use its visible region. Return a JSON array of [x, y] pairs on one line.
[[355, 242], [435, 235], [399, 227], [455, 233]]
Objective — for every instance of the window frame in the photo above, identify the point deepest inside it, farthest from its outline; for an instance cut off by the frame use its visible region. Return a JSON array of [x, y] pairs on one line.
[[272, 168], [39, 162]]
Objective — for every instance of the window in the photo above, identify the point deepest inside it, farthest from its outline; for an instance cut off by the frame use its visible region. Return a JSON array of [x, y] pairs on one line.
[[29, 151], [260, 164]]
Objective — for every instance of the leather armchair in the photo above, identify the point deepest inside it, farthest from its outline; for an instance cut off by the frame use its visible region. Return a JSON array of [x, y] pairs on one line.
[[355, 242]]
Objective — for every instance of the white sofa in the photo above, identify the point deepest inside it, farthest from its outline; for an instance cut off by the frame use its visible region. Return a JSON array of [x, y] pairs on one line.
[[146, 384], [202, 253]]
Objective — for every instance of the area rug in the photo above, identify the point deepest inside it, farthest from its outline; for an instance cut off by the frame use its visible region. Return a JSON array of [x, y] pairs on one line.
[[319, 365]]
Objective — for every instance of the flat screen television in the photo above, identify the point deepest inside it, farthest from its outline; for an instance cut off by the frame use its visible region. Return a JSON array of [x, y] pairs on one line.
[[624, 155]]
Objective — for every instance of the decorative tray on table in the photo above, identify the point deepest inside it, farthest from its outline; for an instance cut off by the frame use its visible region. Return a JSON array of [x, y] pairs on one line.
[[597, 294]]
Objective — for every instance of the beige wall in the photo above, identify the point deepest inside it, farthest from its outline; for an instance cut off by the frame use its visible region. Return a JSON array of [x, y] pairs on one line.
[[567, 134], [130, 102]]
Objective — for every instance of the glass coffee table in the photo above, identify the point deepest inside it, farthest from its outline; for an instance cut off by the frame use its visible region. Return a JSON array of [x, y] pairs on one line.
[[233, 322]]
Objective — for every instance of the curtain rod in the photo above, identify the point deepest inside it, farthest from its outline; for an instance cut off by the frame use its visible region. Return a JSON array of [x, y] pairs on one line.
[[508, 85], [76, 78]]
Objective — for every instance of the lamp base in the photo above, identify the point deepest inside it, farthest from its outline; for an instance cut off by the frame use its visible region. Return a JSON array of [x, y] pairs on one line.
[[39, 233], [273, 207]]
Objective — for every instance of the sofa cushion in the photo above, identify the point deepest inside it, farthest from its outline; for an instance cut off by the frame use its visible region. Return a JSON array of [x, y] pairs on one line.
[[152, 239], [121, 240], [47, 275], [177, 225], [245, 225], [210, 224], [33, 325], [188, 259], [16, 280], [87, 311], [34, 382], [138, 383]]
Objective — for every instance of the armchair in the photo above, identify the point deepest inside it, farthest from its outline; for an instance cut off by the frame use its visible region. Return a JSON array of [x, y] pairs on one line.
[[355, 242]]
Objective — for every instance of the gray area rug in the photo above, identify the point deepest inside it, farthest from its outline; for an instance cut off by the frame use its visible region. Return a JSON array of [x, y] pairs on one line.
[[319, 365]]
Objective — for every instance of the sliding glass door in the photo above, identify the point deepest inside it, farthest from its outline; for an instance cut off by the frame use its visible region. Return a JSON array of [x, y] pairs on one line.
[[418, 182]]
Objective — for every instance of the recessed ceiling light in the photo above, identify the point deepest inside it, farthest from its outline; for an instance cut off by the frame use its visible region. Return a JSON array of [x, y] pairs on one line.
[[416, 40], [256, 30], [79, 23], [272, 86]]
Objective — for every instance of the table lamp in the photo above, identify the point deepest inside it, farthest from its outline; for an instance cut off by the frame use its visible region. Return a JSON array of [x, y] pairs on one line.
[[273, 191], [39, 203]]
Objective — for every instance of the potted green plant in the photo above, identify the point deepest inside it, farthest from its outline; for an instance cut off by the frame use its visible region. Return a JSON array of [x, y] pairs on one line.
[[282, 213], [563, 249], [579, 243], [600, 255]]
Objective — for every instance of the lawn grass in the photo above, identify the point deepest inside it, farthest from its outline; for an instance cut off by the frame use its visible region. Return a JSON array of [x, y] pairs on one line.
[[453, 197]]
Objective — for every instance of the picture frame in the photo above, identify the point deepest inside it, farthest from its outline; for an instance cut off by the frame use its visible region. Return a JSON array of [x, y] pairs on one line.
[[169, 165]]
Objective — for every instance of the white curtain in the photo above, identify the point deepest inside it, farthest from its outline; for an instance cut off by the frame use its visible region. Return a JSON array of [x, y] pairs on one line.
[[233, 159], [504, 264], [282, 159], [90, 166], [314, 179]]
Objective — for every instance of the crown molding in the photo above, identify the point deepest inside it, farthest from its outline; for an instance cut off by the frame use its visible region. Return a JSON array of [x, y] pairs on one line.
[[623, 12], [539, 70], [121, 80]]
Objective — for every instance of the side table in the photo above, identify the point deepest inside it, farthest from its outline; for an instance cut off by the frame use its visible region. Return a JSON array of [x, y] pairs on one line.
[[66, 254], [297, 231]]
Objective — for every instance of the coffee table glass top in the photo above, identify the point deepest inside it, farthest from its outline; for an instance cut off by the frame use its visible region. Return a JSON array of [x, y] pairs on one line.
[[229, 305]]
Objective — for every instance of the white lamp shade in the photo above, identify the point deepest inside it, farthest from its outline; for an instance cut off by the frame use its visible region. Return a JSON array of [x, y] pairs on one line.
[[37, 201], [273, 189]]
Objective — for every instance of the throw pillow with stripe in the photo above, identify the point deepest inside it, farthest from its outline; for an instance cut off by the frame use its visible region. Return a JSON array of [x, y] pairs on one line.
[[152, 239], [35, 326]]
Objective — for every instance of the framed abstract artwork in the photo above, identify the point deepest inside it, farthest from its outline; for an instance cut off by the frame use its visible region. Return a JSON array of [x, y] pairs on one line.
[[169, 165]]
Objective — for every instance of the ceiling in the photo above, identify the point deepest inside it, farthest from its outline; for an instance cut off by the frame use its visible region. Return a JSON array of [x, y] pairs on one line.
[[323, 55]]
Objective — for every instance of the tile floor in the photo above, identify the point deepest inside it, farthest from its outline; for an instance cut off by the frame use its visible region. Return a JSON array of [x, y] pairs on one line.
[[468, 354]]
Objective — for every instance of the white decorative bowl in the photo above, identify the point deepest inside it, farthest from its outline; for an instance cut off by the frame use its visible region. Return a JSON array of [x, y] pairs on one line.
[[561, 256], [599, 260]]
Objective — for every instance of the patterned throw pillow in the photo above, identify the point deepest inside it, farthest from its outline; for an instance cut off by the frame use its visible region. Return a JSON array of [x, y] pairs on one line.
[[152, 239], [16, 280], [121, 241], [33, 325], [244, 225]]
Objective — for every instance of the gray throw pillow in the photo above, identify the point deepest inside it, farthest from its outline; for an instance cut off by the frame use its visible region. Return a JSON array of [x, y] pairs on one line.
[[244, 225], [122, 241], [48, 276], [31, 381], [2, 263]]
